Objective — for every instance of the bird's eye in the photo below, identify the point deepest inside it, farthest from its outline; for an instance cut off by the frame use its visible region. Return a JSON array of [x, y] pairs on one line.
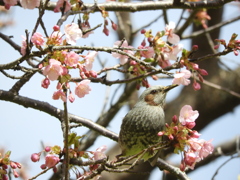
[[153, 92]]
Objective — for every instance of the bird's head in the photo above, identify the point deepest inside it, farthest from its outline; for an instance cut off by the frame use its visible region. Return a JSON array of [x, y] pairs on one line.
[[155, 95]]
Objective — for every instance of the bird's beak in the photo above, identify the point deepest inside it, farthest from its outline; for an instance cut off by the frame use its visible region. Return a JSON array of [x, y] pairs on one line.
[[168, 88]]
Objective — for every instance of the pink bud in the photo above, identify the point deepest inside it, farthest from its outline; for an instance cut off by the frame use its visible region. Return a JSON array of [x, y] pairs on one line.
[[217, 46], [35, 157], [13, 165], [43, 166], [56, 28], [195, 66], [203, 72], [45, 83], [4, 177], [161, 133], [175, 128], [195, 47], [143, 31], [4, 166], [133, 62], [16, 175], [149, 39], [196, 86], [195, 134], [93, 73], [143, 43], [114, 26], [106, 31], [154, 77], [175, 119], [190, 125], [170, 137], [167, 125], [235, 52], [51, 160], [71, 97], [47, 149]]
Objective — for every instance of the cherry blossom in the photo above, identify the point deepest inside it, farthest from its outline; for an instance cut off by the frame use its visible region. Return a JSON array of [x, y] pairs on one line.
[[187, 115], [71, 59], [182, 78], [30, 4], [35, 157], [207, 148], [89, 59], [72, 33], [55, 38], [123, 58], [71, 97], [60, 4], [82, 88], [53, 70], [172, 38], [99, 153], [59, 95], [147, 54], [51, 160], [37, 39]]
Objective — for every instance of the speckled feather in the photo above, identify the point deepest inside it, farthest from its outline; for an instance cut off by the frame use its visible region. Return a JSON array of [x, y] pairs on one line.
[[140, 126]]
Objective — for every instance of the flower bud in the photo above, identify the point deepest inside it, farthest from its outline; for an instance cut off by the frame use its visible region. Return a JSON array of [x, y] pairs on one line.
[[195, 47], [175, 119], [196, 86], [47, 149], [203, 72], [170, 137], [35, 157], [143, 31], [161, 133], [43, 166], [56, 28]]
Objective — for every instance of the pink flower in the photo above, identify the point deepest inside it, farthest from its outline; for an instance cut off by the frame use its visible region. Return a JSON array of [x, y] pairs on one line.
[[172, 38], [190, 159], [82, 88], [59, 94], [123, 58], [30, 4], [72, 33], [207, 148], [182, 78], [89, 59], [99, 153], [147, 54], [175, 50], [24, 46], [51, 160], [55, 38], [71, 59], [37, 39], [187, 115], [53, 70], [9, 3], [60, 4], [163, 61]]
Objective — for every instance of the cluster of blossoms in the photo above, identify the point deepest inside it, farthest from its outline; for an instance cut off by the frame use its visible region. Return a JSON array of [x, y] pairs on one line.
[[51, 160], [185, 140], [161, 52], [5, 163], [233, 44], [60, 62], [55, 152]]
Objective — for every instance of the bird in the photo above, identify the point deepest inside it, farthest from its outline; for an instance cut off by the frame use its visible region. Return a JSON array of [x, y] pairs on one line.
[[142, 123]]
